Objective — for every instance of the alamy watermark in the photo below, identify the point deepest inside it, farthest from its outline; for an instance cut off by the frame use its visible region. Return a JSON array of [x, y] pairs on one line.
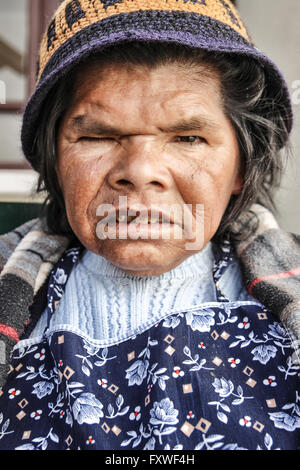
[[2, 92], [296, 92], [165, 222]]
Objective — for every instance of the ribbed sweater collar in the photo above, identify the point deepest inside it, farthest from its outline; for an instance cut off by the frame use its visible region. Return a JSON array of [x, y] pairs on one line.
[[196, 265]]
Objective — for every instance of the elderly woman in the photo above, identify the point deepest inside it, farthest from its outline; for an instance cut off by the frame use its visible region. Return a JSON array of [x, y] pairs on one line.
[[154, 305]]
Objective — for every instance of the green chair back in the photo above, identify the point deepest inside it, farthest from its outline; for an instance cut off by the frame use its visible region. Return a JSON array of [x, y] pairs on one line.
[[14, 214]]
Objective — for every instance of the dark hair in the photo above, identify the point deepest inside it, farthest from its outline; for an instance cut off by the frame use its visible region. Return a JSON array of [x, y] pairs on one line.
[[251, 103]]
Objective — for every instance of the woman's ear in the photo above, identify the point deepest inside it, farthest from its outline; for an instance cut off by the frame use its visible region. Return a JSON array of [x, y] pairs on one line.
[[239, 179], [238, 186], [59, 182]]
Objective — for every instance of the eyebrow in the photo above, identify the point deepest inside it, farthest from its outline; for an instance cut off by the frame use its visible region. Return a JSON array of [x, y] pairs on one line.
[[195, 123], [85, 124]]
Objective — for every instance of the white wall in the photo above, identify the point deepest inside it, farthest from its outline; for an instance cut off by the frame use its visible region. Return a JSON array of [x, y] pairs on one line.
[[13, 29], [274, 27]]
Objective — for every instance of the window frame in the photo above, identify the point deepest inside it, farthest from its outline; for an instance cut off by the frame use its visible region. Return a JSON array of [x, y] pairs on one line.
[[39, 13]]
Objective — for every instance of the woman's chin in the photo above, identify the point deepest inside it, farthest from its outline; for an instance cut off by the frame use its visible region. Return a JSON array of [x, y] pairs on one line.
[[141, 257]]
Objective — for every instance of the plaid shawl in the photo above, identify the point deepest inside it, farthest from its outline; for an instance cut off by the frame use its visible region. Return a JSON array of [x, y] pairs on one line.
[[270, 262]]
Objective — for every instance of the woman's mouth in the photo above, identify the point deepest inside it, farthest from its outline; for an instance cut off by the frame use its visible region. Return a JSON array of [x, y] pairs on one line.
[[144, 225]]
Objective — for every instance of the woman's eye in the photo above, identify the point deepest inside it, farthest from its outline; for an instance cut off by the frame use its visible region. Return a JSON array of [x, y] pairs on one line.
[[191, 140], [97, 144], [94, 139]]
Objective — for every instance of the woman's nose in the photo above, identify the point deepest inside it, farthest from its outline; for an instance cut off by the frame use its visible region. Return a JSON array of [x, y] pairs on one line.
[[140, 168]]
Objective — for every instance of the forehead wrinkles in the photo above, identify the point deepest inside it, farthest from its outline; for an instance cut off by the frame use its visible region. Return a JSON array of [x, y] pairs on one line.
[[163, 112], [140, 93], [114, 77]]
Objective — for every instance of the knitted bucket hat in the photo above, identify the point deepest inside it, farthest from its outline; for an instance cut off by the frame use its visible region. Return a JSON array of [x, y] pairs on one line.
[[82, 27]]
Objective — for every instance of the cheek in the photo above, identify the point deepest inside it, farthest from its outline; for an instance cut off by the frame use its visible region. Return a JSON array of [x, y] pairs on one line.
[[80, 185], [209, 185]]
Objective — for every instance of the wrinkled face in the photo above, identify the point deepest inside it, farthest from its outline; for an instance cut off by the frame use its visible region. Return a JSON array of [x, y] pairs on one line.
[[158, 138]]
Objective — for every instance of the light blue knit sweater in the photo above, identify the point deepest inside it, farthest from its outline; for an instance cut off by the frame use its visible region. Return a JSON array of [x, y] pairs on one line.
[[105, 303]]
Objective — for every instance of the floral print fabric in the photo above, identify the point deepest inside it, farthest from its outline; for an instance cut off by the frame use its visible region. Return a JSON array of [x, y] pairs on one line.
[[220, 376]]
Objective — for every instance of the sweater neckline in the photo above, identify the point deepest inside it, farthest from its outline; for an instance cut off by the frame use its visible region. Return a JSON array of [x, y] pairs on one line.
[[197, 264]]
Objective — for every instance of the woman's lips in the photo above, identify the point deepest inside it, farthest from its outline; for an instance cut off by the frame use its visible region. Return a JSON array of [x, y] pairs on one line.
[[142, 219], [122, 223], [134, 230], [153, 224], [152, 215]]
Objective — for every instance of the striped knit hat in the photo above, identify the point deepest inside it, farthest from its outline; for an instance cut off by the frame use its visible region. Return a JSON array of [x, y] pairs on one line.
[[82, 27]]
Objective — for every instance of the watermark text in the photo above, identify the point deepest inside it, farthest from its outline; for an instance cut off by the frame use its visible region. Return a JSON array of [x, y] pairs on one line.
[[2, 92], [166, 222], [296, 92]]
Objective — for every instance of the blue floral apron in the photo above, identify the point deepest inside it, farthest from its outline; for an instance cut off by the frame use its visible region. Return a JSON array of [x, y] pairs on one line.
[[219, 376]]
